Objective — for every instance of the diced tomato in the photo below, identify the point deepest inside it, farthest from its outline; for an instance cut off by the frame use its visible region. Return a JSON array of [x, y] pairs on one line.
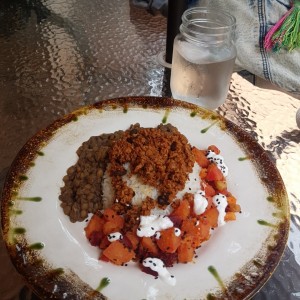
[[200, 157], [203, 173], [208, 189], [214, 149], [183, 210], [214, 173]]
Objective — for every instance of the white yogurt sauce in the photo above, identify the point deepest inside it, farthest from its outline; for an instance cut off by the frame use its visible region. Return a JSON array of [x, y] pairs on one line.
[[200, 202], [157, 265], [157, 235], [177, 231], [115, 236], [220, 201], [153, 223], [218, 160]]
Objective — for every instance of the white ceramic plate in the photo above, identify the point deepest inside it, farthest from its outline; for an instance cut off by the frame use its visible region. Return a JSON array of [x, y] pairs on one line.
[[57, 260]]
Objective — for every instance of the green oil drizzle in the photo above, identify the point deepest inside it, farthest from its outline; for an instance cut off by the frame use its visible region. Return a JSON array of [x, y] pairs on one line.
[[214, 272], [23, 177], [206, 129], [103, 283], [243, 158], [278, 214], [165, 118], [53, 274], [58, 271], [19, 230], [37, 246], [270, 199], [265, 223], [125, 109], [40, 153], [210, 297], [257, 263], [11, 203], [271, 248], [32, 164], [214, 117], [75, 119], [193, 114], [33, 199], [145, 106], [114, 106], [16, 211]]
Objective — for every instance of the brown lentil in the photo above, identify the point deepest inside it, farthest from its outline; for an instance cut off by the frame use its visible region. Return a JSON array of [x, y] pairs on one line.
[[82, 191]]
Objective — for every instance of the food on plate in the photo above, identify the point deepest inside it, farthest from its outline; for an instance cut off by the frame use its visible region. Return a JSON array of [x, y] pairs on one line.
[[156, 201], [82, 190]]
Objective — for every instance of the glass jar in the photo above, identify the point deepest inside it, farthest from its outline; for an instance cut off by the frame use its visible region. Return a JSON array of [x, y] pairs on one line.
[[203, 57]]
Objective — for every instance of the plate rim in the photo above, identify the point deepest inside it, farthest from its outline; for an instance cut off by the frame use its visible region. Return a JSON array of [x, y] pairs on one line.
[[22, 160]]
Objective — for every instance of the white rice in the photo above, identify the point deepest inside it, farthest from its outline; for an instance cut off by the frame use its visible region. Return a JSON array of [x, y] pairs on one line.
[[192, 184], [144, 190], [108, 192], [141, 190]]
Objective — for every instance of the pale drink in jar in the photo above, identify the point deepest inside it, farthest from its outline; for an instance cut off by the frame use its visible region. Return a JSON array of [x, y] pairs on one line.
[[203, 57], [199, 76]]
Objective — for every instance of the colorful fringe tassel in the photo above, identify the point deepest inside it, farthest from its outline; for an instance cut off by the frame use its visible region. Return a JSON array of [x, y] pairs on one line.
[[285, 34]]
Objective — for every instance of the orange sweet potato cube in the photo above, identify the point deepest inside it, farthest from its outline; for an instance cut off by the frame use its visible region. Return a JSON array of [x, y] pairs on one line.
[[95, 224], [118, 254], [113, 225], [149, 245], [212, 215], [186, 250], [183, 210], [168, 241]]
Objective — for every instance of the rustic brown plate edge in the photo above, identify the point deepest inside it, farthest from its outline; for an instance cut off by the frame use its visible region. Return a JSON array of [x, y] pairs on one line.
[[21, 164]]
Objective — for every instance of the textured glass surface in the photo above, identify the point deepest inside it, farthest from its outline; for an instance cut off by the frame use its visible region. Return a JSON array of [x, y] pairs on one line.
[[56, 56]]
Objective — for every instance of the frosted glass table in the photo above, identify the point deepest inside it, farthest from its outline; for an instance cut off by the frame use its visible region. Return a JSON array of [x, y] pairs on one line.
[[56, 56]]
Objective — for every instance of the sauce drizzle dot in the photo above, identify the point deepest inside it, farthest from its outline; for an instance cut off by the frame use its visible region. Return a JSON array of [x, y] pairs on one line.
[[149, 225], [157, 265]]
